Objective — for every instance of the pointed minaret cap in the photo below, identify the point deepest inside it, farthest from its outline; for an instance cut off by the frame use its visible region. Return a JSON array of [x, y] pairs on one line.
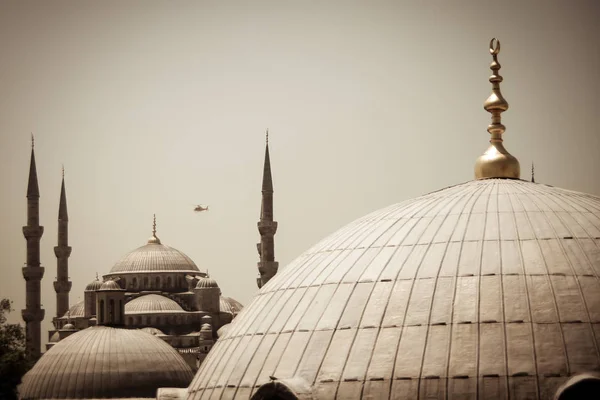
[[496, 162], [62, 207], [154, 239], [32, 186], [267, 184]]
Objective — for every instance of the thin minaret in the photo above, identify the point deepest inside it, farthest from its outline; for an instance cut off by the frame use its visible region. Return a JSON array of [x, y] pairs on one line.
[[33, 271], [62, 285], [267, 266]]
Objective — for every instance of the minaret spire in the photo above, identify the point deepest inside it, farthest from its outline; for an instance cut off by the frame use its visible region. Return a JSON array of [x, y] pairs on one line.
[[496, 162], [33, 314], [62, 285], [532, 173], [267, 266]]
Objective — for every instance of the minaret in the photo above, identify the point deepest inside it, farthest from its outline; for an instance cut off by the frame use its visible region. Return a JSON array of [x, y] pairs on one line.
[[62, 285], [267, 266], [33, 271], [496, 162]]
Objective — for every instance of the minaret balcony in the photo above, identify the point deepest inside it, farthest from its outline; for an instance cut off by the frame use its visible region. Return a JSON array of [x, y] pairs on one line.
[[62, 286], [267, 227], [33, 273], [33, 315], [62, 251], [33, 232]]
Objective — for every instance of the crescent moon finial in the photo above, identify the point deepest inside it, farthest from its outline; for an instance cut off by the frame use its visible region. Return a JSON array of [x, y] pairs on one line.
[[494, 46]]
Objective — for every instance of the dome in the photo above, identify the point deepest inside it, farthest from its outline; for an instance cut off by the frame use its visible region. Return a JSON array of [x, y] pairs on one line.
[[152, 303], [93, 285], [130, 363], [154, 257], [490, 287], [76, 310], [206, 282], [110, 285], [229, 305], [68, 327], [206, 327], [152, 331]]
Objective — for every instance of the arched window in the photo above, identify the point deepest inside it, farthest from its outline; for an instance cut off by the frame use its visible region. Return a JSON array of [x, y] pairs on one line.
[[134, 283], [101, 319], [111, 311], [157, 280], [130, 321], [145, 283], [169, 282]]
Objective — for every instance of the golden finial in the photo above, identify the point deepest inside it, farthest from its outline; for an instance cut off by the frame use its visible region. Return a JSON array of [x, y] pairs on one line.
[[496, 162], [154, 239]]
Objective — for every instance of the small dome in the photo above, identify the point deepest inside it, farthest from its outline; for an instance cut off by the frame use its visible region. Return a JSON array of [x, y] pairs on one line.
[[152, 331], [76, 310], [55, 338], [229, 305], [222, 331], [68, 327], [110, 285], [93, 285], [103, 362], [152, 303], [207, 282], [154, 257]]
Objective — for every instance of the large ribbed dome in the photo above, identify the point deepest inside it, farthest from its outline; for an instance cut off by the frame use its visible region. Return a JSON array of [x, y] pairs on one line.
[[154, 257], [152, 303], [103, 362], [488, 288]]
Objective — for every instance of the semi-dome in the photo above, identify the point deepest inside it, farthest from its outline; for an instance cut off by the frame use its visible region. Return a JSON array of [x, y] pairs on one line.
[[76, 310], [206, 283], [229, 305], [154, 257], [102, 362], [110, 285], [152, 303], [93, 285], [68, 327], [490, 287], [153, 331]]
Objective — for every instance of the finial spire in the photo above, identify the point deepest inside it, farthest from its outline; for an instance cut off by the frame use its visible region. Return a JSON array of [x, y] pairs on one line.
[[97, 276], [154, 239], [63, 171], [267, 137], [496, 162], [532, 173], [32, 141]]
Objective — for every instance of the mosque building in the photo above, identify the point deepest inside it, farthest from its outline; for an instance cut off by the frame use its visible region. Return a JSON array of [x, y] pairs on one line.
[[487, 289], [148, 323]]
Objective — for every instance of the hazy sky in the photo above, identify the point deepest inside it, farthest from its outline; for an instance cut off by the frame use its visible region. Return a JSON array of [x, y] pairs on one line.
[[154, 107]]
